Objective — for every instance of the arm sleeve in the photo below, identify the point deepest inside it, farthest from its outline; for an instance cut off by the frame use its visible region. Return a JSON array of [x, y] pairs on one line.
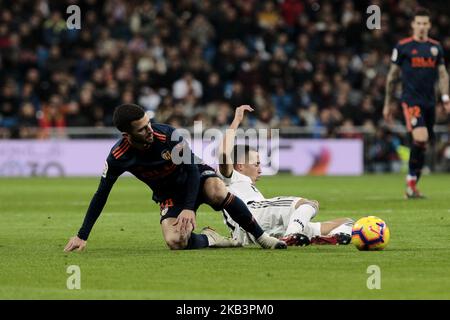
[[236, 177], [98, 201], [441, 59], [227, 180], [397, 55]]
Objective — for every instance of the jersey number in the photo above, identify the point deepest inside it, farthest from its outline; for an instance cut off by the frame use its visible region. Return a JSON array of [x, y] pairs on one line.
[[414, 111]]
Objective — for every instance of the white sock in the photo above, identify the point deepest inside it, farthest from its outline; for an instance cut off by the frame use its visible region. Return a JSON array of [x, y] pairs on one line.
[[315, 228], [299, 220], [343, 228]]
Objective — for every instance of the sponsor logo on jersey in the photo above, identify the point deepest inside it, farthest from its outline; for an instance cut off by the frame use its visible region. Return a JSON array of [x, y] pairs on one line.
[[421, 62]]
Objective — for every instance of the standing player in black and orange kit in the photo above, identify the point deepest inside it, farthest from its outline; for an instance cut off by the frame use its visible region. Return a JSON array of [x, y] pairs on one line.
[[420, 60], [180, 187]]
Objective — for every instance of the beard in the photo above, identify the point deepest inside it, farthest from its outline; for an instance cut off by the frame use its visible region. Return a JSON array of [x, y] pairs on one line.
[[142, 141]]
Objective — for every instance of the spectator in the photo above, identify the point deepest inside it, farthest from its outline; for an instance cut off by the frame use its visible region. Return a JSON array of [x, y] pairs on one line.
[[300, 62], [52, 116], [187, 85], [28, 124]]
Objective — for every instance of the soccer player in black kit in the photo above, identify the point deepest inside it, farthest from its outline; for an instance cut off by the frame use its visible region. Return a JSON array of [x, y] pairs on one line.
[[145, 150], [420, 60]]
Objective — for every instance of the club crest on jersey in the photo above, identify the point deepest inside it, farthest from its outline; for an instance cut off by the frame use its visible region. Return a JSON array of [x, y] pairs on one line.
[[166, 155], [434, 51]]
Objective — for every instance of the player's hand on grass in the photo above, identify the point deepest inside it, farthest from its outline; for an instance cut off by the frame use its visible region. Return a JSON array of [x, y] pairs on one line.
[[75, 243], [239, 113], [184, 220]]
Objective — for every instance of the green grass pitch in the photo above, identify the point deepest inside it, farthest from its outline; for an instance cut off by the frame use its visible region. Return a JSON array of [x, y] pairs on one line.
[[126, 257]]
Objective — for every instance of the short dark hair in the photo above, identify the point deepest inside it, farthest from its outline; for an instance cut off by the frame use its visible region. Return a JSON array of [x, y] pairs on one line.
[[241, 151], [422, 12], [125, 114]]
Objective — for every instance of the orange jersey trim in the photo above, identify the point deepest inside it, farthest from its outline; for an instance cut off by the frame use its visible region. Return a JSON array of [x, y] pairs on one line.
[[433, 41], [405, 40], [159, 136], [119, 151]]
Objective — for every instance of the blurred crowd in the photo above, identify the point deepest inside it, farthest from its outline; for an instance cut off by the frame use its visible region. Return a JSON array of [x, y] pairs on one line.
[[300, 63]]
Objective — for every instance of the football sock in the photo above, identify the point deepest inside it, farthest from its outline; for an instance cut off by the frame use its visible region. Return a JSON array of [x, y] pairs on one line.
[[315, 229], [417, 159], [299, 220], [343, 228], [239, 212], [197, 241]]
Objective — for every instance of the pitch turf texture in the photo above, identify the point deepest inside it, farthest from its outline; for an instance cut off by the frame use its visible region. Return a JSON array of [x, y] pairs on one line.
[[126, 257]]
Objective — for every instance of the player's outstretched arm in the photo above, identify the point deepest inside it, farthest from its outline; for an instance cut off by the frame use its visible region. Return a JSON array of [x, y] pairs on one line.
[[392, 77], [98, 201], [443, 86], [226, 147]]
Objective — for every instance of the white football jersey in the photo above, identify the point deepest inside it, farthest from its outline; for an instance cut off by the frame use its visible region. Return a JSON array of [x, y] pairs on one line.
[[242, 186], [271, 214]]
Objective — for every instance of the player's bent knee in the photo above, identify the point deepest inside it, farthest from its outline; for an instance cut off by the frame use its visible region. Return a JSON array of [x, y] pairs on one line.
[[215, 191], [174, 239], [176, 244]]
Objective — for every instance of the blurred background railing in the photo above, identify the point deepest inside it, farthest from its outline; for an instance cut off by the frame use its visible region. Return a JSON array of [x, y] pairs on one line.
[[385, 148]]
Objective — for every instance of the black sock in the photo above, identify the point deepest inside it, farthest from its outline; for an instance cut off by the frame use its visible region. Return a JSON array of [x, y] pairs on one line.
[[197, 241], [239, 212], [417, 159]]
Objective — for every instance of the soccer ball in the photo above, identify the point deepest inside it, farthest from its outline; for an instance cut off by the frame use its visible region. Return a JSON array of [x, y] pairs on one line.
[[370, 233]]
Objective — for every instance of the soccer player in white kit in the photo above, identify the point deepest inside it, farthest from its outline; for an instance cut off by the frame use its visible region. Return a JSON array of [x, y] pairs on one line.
[[285, 217]]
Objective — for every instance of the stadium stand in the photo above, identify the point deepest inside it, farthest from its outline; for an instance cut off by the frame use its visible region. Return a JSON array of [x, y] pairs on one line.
[[309, 67]]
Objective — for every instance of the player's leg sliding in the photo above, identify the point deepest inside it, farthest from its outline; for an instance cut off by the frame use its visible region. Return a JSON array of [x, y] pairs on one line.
[[190, 240], [197, 241], [299, 231], [216, 240], [302, 232], [240, 213], [340, 235], [208, 237], [416, 163]]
